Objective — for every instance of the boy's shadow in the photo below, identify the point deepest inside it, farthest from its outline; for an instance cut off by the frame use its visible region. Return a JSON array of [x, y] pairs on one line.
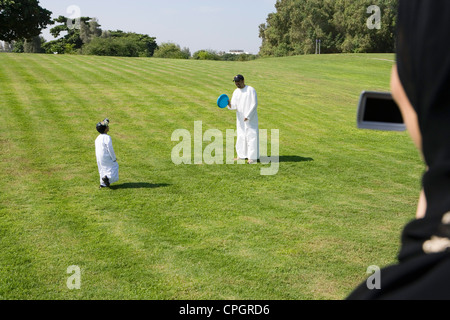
[[139, 185]]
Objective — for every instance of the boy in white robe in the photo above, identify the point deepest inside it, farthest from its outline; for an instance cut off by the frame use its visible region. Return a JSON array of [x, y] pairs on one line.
[[108, 167], [245, 102]]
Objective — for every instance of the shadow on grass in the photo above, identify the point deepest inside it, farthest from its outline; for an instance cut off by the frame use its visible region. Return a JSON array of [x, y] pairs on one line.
[[139, 185], [294, 159]]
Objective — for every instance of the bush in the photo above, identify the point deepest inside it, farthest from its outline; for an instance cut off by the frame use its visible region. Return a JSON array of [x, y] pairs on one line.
[[120, 44], [206, 55], [121, 47], [171, 51]]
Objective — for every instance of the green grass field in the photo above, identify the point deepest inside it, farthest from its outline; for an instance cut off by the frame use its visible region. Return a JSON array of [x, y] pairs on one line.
[[337, 205]]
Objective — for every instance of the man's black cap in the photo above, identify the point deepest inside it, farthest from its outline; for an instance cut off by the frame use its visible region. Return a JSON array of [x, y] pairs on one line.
[[238, 78]]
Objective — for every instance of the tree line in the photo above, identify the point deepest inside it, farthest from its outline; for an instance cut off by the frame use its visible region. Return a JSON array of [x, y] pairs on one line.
[[341, 26], [85, 36], [295, 27], [21, 22]]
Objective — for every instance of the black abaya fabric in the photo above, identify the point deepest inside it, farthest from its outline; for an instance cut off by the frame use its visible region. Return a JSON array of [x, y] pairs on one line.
[[423, 62]]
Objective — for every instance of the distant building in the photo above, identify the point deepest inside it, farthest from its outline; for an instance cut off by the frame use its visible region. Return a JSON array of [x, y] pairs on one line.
[[237, 52]]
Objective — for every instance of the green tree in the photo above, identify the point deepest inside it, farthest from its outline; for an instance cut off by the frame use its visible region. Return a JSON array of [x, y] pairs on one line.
[[275, 32], [171, 51], [350, 20], [16, 46], [90, 30], [246, 57], [71, 41], [206, 55], [119, 43], [122, 47], [229, 57], [341, 25], [21, 19], [34, 45]]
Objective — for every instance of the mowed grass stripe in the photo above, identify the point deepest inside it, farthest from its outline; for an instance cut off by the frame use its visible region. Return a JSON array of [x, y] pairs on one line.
[[20, 258], [91, 86], [151, 96], [223, 231], [118, 209], [25, 120], [66, 228]]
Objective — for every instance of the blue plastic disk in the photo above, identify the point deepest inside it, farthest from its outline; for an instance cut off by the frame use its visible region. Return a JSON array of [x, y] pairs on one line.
[[223, 100]]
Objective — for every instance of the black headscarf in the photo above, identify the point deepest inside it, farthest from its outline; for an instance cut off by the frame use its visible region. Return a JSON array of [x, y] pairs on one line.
[[423, 62]]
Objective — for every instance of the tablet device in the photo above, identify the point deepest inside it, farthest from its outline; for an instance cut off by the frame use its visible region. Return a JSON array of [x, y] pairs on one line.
[[379, 111]]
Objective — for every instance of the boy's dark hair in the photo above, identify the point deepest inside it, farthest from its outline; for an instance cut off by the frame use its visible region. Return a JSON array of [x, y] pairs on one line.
[[101, 126]]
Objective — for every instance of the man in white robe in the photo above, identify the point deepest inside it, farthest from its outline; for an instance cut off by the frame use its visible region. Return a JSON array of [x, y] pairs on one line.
[[108, 168], [245, 102]]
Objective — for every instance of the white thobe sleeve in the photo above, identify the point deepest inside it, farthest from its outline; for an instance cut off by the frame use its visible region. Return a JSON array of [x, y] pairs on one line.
[[253, 105], [233, 102], [110, 149]]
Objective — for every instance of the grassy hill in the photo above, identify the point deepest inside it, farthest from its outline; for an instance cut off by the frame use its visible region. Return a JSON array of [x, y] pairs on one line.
[[336, 206]]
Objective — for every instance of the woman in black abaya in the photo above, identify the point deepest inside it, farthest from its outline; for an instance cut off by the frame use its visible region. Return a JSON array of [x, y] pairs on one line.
[[420, 85]]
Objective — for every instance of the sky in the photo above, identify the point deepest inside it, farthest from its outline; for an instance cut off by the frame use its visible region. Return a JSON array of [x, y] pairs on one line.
[[219, 25]]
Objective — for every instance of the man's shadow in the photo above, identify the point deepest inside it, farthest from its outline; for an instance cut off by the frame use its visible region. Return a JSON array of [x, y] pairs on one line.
[[294, 159], [139, 185]]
